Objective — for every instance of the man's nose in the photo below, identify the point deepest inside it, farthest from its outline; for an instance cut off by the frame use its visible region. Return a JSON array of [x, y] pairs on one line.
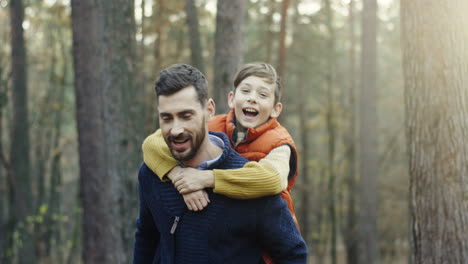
[[177, 129]]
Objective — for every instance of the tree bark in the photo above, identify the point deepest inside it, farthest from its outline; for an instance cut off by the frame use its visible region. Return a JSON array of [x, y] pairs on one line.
[[368, 136], [19, 149], [103, 52], [194, 35], [435, 66], [229, 44]]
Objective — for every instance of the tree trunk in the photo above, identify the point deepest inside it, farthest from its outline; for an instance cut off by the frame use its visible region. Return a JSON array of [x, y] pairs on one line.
[[436, 77], [229, 44], [194, 34], [6, 230], [330, 123], [103, 52], [19, 149], [368, 136], [281, 68], [350, 232], [304, 136]]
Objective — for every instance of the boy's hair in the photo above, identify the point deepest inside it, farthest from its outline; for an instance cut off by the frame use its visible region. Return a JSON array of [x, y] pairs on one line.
[[262, 70], [180, 76]]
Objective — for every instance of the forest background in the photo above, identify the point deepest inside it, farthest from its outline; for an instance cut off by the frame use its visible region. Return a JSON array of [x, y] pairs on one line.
[[77, 100]]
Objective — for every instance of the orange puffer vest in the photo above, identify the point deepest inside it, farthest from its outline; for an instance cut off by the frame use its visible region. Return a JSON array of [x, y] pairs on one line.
[[259, 142]]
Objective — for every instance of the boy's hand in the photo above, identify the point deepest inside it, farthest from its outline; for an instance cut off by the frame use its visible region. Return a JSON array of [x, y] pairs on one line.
[[189, 180], [196, 201]]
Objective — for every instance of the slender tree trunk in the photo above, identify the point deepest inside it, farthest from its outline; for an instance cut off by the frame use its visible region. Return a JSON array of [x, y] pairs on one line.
[[6, 232], [305, 204], [194, 34], [350, 233], [330, 121], [103, 55], [229, 45], [269, 32], [19, 149], [281, 68], [435, 66], [368, 136]]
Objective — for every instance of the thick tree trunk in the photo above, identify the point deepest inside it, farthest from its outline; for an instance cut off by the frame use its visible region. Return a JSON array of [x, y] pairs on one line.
[[103, 50], [19, 149], [194, 34], [229, 53], [368, 136], [435, 63], [95, 192]]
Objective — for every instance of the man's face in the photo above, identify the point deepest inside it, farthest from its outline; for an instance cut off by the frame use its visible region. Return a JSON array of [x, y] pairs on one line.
[[253, 102], [183, 123]]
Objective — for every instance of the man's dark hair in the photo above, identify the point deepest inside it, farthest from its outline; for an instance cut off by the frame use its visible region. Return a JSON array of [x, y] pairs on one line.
[[180, 76]]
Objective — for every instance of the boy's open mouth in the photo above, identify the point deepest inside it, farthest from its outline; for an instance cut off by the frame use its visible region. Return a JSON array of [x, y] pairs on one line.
[[250, 112]]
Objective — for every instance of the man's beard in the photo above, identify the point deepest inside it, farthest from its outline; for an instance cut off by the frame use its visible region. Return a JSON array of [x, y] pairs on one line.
[[196, 142]]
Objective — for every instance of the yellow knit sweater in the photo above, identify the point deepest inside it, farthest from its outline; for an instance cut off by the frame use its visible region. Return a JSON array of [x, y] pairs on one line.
[[255, 179]]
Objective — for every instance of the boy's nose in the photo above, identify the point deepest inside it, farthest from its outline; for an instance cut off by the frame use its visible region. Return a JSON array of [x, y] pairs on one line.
[[252, 99]]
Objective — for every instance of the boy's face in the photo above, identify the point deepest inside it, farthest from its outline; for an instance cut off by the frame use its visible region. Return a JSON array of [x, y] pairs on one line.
[[254, 102]]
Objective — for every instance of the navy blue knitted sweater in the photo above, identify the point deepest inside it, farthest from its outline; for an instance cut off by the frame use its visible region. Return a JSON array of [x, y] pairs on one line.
[[227, 231]]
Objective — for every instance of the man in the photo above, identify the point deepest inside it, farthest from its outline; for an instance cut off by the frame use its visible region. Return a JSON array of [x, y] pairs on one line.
[[228, 230]]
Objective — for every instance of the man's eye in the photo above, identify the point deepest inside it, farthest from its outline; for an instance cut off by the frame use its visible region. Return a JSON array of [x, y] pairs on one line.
[[187, 116], [166, 118]]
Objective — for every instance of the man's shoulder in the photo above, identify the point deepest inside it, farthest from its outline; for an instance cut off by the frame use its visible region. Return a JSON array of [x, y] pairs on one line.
[[145, 173]]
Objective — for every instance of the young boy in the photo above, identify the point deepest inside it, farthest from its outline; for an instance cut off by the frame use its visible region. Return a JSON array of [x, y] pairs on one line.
[[254, 132]]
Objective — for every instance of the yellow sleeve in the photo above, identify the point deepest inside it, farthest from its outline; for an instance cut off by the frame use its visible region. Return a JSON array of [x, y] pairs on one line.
[[157, 156], [256, 179]]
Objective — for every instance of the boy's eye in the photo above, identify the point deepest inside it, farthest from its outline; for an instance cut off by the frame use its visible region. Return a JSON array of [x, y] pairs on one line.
[[245, 90], [263, 95]]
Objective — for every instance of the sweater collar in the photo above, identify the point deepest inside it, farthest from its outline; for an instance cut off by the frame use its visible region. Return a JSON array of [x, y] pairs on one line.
[[226, 150]]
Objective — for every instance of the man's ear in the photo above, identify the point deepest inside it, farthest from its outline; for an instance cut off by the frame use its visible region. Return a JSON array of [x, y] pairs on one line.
[[210, 109], [231, 99], [276, 110]]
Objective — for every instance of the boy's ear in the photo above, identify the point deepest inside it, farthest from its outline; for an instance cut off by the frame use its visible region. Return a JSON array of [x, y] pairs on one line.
[[231, 99], [276, 110], [210, 109]]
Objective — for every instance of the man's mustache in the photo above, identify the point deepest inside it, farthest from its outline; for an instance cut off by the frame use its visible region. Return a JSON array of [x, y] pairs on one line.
[[180, 137]]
